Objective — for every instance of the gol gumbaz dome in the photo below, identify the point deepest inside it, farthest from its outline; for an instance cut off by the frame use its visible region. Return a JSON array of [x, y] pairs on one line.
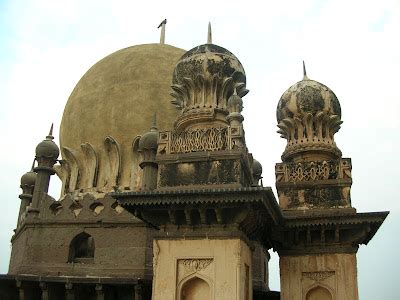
[[110, 108]]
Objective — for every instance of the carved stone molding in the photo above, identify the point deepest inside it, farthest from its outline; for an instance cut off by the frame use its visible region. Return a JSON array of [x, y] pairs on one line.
[[202, 139], [318, 276], [195, 264], [313, 170]]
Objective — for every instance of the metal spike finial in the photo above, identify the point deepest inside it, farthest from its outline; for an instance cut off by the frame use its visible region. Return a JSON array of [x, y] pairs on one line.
[[154, 123], [162, 36], [33, 164], [50, 136], [304, 72], [209, 35]]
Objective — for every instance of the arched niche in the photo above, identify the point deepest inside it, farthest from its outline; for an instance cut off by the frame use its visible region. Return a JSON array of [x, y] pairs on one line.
[[81, 249], [319, 293], [194, 287]]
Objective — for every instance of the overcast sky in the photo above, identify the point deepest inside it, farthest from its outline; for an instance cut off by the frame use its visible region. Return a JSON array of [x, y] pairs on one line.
[[351, 46]]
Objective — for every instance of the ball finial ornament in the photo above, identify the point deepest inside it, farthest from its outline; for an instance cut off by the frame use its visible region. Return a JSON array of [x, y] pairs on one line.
[[47, 148]]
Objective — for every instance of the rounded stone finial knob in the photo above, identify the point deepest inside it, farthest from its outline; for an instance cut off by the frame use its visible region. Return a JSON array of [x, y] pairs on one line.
[[47, 148], [28, 179], [149, 141]]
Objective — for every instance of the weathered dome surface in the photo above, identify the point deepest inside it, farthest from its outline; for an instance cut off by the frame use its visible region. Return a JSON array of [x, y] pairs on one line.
[[208, 60], [149, 140], [257, 167], [47, 148], [28, 179], [307, 96], [119, 95], [110, 106]]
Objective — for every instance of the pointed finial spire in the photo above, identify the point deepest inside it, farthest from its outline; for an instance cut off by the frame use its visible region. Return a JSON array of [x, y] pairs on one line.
[[209, 35], [304, 72], [162, 36], [50, 136], [33, 164], [154, 124]]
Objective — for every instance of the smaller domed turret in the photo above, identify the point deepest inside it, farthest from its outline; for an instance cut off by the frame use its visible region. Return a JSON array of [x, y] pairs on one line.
[[257, 172], [149, 141], [28, 179], [308, 116], [203, 80], [148, 145], [47, 148]]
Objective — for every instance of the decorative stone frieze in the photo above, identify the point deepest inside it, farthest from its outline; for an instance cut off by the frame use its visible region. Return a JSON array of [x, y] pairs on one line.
[[318, 276], [200, 139]]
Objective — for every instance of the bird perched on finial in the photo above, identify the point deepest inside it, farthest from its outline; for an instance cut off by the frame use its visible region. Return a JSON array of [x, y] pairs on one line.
[[163, 22]]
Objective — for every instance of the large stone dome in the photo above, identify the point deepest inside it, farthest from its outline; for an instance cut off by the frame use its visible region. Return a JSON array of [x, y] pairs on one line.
[[111, 105]]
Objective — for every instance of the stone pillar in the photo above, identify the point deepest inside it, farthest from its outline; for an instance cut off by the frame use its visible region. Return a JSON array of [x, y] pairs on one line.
[[326, 274], [21, 292], [148, 144], [28, 181], [46, 155], [210, 268], [45, 290], [138, 292], [69, 291], [99, 292]]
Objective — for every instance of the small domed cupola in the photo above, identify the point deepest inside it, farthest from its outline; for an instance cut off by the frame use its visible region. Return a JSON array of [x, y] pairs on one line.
[[148, 145], [47, 148], [204, 78], [257, 172], [28, 179], [308, 116], [149, 141]]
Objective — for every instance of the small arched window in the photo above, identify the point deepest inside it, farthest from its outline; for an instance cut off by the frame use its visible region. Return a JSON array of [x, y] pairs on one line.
[[81, 249]]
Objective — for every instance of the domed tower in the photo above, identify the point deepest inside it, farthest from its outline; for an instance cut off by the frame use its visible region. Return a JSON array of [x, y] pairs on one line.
[[308, 116], [317, 245], [208, 202], [207, 88]]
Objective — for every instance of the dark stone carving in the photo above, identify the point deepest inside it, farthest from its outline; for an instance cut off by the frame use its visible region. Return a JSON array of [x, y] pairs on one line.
[[199, 173]]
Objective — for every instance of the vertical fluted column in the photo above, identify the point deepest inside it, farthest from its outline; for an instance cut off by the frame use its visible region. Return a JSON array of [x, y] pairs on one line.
[[99, 292], [45, 290], [69, 291], [138, 292]]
